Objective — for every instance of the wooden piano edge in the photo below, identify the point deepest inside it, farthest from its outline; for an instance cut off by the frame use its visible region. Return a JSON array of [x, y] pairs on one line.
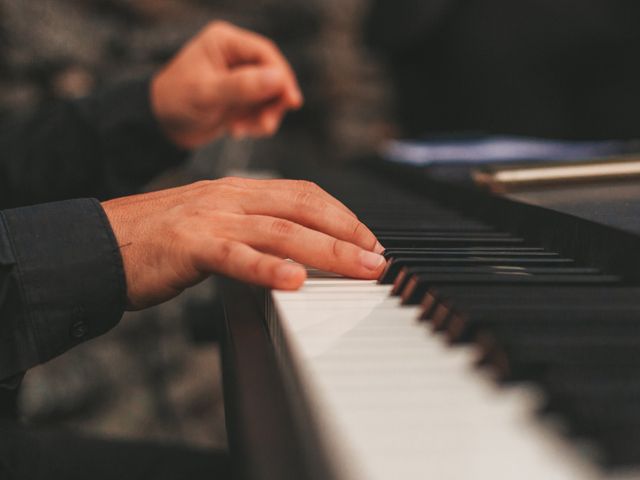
[[270, 436]]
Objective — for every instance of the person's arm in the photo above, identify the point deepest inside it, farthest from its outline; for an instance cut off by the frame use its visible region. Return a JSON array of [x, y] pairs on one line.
[[68, 270], [105, 145]]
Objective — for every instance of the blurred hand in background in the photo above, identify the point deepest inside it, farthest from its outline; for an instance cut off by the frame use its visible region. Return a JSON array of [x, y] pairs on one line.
[[226, 80]]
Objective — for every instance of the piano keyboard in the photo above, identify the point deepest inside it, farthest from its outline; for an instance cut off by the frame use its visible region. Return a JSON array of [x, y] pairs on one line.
[[479, 354], [392, 400]]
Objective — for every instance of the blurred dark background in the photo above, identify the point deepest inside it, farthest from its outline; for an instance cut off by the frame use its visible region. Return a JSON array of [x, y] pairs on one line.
[[564, 69]]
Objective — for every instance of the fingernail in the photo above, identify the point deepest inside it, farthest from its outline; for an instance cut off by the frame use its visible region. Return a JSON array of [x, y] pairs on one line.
[[288, 272], [378, 248], [370, 260]]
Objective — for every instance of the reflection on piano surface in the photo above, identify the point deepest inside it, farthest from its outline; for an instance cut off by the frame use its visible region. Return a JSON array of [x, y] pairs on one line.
[[501, 342]]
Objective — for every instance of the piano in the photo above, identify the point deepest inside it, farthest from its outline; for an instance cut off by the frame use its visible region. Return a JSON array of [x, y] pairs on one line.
[[502, 341]]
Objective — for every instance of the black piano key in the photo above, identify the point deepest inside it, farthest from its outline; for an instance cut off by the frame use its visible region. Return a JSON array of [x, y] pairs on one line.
[[440, 316], [597, 410], [565, 393], [604, 418], [428, 234], [502, 269], [382, 225], [481, 299], [428, 241], [417, 285], [462, 296], [497, 251], [405, 274], [528, 359], [621, 447], [596, 382], [443, 303], [394, 266], [428, 252], [584, 332], [463, 325]]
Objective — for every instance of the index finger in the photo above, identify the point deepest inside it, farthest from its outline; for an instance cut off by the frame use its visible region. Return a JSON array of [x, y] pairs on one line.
[[313, 211]]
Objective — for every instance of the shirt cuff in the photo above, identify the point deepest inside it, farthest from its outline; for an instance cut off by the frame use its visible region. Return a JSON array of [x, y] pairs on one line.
[[68, 277]]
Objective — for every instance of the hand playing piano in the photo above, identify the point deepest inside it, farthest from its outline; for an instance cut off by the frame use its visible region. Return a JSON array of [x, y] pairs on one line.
[[225, 80], [172, 239]]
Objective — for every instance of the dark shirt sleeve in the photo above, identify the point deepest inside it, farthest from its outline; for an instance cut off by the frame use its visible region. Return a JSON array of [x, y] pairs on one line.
[[108, 144], [61, 281], [61, 275]]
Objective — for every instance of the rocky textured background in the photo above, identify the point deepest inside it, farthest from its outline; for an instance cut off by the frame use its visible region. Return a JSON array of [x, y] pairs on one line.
[[157, 374]]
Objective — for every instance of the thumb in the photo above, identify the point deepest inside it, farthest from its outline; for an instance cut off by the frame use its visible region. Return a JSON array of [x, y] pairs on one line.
[[245, 87]]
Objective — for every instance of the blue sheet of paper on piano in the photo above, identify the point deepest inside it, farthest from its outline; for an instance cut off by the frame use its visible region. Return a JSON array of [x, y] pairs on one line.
[[496, 149]]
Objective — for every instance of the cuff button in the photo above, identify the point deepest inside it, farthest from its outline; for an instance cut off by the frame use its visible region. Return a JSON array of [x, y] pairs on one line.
[[79, 330]]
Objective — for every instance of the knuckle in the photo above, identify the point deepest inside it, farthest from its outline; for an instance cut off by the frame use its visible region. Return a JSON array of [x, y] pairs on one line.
[[305, 199], [202, 183], [225, 251], [258, 266], [306, 185], [202, 186], [234, 181], [248, 83], [357, 229], [253, 268], [282, 228], [337, 247], [229, 180]]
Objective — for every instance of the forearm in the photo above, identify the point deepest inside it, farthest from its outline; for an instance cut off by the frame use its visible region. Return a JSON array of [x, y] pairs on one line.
[[61, 281], [101, 146]]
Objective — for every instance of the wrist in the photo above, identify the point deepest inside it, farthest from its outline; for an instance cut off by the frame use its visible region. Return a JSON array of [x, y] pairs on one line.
[[160, 107]]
